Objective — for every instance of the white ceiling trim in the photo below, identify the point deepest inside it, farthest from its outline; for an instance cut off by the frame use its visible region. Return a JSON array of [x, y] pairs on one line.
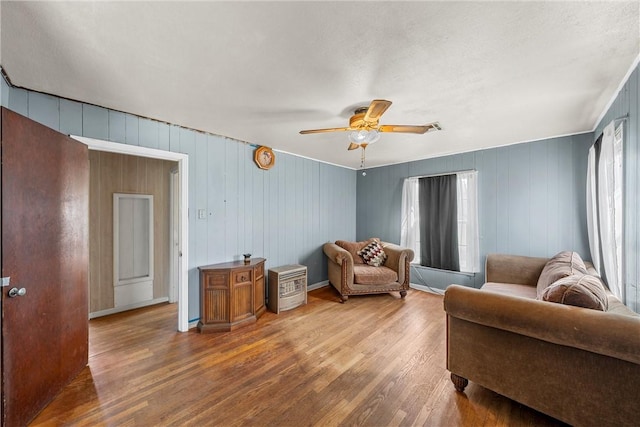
[[633, 66]]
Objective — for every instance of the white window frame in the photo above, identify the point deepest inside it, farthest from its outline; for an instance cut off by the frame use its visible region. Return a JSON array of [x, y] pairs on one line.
[[468, 240]]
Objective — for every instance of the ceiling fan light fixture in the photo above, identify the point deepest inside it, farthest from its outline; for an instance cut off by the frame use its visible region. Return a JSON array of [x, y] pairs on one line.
[[357, 136], [372, 136], [364, 136]]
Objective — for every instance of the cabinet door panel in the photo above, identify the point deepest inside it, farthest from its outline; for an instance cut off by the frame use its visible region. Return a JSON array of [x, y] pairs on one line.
[[242, 302], [216, 307], [259, 294]]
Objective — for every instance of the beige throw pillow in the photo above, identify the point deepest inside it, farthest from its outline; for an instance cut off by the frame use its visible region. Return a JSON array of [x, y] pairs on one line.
[[563, 264], [578, 290]]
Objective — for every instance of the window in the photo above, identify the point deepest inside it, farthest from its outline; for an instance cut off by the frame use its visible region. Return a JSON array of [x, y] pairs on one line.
[[604, 206], [415, 232], [468, 221]]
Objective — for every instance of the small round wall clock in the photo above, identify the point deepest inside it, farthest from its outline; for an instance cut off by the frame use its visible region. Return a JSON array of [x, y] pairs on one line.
[[264, 157]]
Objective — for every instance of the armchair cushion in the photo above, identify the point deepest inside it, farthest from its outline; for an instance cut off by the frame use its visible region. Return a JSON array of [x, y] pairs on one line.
[[370, 275], [373, 254], [354, 247]]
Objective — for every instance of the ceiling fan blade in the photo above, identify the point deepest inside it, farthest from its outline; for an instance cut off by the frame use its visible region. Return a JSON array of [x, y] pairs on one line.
[[376, 109], [353, 146], [304, 132], [409, 128]]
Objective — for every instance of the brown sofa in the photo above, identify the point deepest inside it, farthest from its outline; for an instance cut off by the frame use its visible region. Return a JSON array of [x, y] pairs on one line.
[[579, 365], [350, 275]]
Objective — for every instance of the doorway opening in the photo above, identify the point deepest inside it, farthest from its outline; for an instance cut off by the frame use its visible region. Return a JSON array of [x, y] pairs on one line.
[[179, 230]]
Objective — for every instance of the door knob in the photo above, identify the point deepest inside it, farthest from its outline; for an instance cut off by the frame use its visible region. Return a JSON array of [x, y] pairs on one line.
[[15, 292]]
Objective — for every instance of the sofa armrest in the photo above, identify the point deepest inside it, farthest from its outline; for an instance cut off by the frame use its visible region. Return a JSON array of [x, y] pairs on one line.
[[398, 259], [522, 270], [609, 334]]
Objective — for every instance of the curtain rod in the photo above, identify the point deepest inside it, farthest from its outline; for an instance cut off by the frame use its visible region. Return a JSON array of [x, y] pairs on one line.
[[622, 118], [443, 173]]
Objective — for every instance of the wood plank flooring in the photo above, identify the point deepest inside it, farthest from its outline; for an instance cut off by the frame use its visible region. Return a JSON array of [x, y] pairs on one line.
[[375, 361]]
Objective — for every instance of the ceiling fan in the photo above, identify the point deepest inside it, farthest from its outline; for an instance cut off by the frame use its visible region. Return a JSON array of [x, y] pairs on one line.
[[364, 127]]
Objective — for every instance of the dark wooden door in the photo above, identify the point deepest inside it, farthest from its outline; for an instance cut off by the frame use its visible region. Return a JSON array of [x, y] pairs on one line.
[[45, 196]]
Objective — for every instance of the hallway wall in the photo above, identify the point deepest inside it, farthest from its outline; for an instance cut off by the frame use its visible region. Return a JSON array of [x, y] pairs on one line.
[[116, 173]]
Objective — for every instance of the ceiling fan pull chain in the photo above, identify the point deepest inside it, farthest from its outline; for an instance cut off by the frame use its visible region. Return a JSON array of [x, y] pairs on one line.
[[362, 160]]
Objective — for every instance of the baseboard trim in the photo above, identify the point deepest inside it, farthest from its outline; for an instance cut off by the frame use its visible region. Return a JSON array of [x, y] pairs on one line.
[[193, 323], [317, 285], [127, 307], [425, 288]]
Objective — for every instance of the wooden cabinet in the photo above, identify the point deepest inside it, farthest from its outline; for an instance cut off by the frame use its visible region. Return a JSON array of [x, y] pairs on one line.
[[231, 295]]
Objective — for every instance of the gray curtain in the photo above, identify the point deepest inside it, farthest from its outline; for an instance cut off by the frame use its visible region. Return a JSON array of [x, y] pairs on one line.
[[439, 222]]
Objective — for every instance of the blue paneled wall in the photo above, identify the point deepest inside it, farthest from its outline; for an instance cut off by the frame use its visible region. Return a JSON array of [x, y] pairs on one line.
[[531, 195], [531, 201], [285, 214]]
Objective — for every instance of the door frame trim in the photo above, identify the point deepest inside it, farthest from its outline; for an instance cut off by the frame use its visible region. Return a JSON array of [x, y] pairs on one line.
[[174, 212], [183, 171]]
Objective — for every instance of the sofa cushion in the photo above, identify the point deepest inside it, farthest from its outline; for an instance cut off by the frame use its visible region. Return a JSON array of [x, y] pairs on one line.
[[354, 247], [578, 290], [364, 274], [563, 264], [513, 289], [373, 254], [615, 306]]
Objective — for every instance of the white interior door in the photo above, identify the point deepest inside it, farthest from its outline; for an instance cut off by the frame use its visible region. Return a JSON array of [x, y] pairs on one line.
[[133, 248]]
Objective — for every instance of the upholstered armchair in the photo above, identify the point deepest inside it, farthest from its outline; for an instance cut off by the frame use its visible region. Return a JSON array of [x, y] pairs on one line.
[[350, 274]]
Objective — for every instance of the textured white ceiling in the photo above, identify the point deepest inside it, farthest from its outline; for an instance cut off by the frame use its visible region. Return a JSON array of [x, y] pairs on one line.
[[492, 73]]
